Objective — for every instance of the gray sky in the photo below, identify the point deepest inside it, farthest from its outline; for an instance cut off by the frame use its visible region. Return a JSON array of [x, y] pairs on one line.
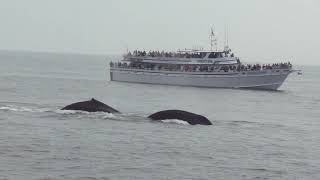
[[259, 30]]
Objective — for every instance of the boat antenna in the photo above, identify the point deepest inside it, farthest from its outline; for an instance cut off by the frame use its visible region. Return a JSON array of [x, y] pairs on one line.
[[127, 48], [226, 38], [213, 40]]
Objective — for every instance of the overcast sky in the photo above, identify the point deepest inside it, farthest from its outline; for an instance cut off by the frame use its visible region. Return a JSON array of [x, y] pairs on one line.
[[259, 30]]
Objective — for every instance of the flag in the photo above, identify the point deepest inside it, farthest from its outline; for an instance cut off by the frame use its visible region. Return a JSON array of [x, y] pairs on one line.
[[212, 33]]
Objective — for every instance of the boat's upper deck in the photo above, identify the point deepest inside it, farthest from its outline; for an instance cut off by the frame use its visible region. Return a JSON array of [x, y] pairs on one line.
[[182, 57]]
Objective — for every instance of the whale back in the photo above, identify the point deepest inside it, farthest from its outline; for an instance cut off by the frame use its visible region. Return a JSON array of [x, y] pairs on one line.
[[189, 117], [91, 106]]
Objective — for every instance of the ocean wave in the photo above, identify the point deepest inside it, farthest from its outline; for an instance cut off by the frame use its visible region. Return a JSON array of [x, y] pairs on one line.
[[6, 108], [134, 118], [22, 109], [254, 124], [13, 108], [266, 170], [85, 114], [117, 117], [243, 122]]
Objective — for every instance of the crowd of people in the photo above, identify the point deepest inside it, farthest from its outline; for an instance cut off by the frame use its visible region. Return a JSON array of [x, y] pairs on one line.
[[165, 54], [256, 67], [179, 54], [201, 68]]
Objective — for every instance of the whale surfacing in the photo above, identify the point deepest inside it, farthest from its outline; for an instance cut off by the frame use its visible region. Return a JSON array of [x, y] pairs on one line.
[[189, 117], [91, 106]]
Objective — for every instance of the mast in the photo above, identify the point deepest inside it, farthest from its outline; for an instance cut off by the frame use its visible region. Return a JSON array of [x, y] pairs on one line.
[[226, 38], [213, 40]]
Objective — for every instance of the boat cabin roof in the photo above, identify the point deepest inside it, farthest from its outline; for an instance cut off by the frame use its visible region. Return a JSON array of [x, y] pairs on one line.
[[199, 51]]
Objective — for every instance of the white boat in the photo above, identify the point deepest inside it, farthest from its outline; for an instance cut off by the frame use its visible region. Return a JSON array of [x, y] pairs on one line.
[[199, 68]]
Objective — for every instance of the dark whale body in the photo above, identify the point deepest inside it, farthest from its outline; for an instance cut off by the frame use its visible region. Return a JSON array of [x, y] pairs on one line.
[[189, 117], [91, 106]]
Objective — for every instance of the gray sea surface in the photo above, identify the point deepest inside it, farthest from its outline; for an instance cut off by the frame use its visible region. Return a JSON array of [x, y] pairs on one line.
[[255, 134]]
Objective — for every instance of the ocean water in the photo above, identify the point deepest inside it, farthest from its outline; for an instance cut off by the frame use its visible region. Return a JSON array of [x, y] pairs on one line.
[[255, 134]]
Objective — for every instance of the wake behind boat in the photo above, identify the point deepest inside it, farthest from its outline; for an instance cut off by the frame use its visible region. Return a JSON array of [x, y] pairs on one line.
[[199, 68]]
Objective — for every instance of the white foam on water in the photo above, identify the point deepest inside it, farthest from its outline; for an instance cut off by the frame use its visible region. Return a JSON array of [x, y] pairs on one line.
[[16, 109], [43, 110], [175, 121], [59, 111], [6, 108], [109, 116], [23, 109]]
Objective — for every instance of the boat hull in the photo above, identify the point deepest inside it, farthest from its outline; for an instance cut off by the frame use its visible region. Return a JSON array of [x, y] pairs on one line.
[[267, 80]]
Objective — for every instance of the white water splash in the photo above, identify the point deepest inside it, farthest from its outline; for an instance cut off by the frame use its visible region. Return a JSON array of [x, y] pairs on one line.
[[59, 111], [109, 116], [175, 121]]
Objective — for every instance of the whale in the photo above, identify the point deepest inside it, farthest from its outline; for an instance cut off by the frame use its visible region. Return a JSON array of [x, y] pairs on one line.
[[92, 105], [189, 117]]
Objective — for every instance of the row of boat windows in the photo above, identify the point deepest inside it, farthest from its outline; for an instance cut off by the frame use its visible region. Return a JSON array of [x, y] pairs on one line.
[[180, 54], [201, 68]]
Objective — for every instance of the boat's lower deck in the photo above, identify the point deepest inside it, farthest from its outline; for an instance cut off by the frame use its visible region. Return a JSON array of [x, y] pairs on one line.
[[271, 80]]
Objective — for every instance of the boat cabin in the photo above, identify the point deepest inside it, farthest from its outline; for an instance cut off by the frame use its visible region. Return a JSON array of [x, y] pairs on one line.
[[187, 60]]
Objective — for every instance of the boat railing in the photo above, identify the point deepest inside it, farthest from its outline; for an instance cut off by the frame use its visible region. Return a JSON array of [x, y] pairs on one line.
[[207, 68]]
